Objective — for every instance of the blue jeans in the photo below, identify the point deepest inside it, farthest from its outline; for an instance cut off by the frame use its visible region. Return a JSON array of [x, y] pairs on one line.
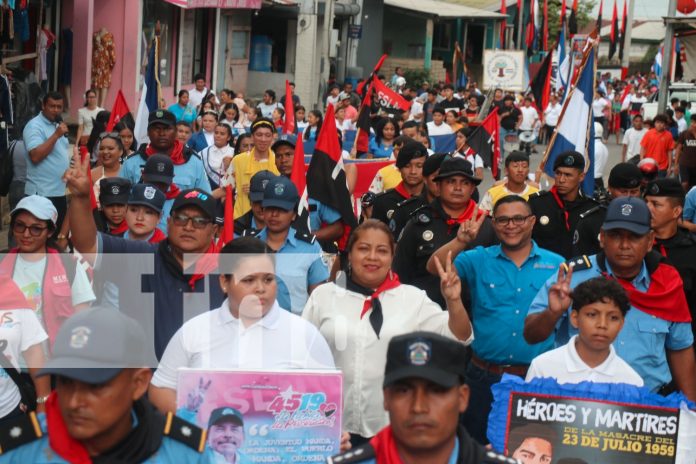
[[475, 419]]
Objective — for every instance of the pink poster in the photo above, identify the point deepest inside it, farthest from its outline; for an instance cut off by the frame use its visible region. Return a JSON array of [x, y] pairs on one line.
[[264, 416]]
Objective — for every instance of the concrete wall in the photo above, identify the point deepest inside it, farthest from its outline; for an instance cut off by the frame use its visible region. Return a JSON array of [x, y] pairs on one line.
[[401, 31], [260, 81], [370, 45]]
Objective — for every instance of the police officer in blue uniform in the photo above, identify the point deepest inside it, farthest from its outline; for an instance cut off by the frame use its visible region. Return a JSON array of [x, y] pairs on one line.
[[97, 412], [424, 383], [299, 261], [249, 224]]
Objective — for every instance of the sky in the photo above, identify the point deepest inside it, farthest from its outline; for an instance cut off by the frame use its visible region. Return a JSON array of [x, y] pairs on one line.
[[644, 9]]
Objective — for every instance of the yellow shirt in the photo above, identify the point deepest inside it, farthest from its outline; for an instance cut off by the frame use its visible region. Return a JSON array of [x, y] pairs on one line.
[[243, 167], [499, 191], [386, 178]]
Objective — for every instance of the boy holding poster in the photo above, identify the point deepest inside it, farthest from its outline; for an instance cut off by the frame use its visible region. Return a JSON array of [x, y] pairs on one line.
[[599, 308]]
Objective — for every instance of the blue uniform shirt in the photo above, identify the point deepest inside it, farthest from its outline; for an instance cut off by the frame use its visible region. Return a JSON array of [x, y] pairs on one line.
[[45, 178], [689, 213], [501, 293], [319, 214], [644, 339], [189, 175], [166, 212], [40, 452], [299, 265]]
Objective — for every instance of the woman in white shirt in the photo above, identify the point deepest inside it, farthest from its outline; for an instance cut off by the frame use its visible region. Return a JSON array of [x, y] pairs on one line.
[[86, 116], [214, 155], [463, 148], [248, 331], [368, 306]]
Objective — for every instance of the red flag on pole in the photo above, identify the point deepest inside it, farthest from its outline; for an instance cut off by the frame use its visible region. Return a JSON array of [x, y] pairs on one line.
[[545, 28], [119, 110], [368, 81], [622, 37], [614, 34], [503, 23], [531, 27], [573, 21], [563, 11], [388, 98], [362, 138], [485, 141], [289, 122], [298, 176]]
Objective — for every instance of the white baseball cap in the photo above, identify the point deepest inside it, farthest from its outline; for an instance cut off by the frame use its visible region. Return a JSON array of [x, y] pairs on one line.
[[40, 207]]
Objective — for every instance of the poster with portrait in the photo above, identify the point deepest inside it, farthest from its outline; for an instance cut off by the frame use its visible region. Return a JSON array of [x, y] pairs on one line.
[[503, 69], [264, 416], [590, 423]]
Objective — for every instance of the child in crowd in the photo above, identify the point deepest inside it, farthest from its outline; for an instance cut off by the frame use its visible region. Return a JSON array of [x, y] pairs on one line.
[[110, 217], [599, 309], [300, 121], [184, 131], [145, 204], [230, 116], [277, 116]]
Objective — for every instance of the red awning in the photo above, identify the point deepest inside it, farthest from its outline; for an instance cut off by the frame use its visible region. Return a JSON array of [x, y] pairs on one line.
[[246, 4]]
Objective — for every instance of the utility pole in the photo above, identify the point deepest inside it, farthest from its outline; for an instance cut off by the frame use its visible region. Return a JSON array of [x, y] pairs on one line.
[[519, 25], [625, 63], [667, 56]]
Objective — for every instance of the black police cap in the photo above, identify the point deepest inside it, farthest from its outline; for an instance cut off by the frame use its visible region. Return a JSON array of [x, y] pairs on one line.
[[114, 191], [665, 187], [433, 163], [410, 151], [569, 159], [625, 175]]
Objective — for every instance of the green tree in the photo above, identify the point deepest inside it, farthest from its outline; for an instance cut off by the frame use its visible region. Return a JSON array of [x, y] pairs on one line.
[[585, 16]]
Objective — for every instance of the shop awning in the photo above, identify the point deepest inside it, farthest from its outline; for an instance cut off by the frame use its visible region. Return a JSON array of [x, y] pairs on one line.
[[442, 9], [245, 4]]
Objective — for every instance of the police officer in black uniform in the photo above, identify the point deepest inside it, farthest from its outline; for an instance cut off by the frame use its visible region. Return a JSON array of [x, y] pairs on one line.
[[424, 381], [665, 199], [437, 223], [624, 181], [98, 411], [557, 210], [409, 162], [251, 223], [431, 191]]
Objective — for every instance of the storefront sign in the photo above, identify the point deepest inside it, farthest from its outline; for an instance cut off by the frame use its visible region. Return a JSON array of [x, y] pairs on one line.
[[503, 69]]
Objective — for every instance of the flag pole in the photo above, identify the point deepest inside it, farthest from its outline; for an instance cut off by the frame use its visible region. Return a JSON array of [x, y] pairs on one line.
[[627, 39]]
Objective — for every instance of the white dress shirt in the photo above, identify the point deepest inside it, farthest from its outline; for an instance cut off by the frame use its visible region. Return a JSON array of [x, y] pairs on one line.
[[442, 129], [565, 365], [357, 350], [218, 340]]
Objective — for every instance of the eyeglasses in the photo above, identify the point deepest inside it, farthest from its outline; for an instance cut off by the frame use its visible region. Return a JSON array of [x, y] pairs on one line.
[[109, 135], [516, 220], [199, 222], [34, 231]]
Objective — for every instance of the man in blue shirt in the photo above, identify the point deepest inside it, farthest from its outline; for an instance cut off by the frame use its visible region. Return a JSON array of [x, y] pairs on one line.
[[161, 130], [45, 138], [299, 263], [656, 339], [98, 412], [175, 269], [503, 280]]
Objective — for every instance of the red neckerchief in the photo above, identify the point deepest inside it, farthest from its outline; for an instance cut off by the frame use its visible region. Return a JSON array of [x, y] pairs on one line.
[[385, 447], [559, 202], [392, 281], [206, 263], [120, 230], [466, 215], [12, 296], [401, 190], [660, 247], [157, 236], [59, 439], [665, 297], [173, 191], [176, 155]]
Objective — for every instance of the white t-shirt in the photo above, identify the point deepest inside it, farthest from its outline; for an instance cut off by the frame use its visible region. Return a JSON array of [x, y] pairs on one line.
[[196, 97], [212, 157], [267, 110], [565, 365], [29, 277], [217, 340], [21, 330], [552, 113], [442, 129], [681, 124], [85, 116], [601, 155], [598, 106], [416, 109], [529, 117], [632, 140]]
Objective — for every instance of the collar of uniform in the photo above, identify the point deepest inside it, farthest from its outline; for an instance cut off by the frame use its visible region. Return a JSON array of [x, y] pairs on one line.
[[641, 281], [575, 364], [499, 253], [269, 321], [263, 235], [45, 120]]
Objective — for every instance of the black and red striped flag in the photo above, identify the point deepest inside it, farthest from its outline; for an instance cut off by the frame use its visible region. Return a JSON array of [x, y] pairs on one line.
[[599, 18], [573, 20], [540, 86], [622, 38], [503, 23], [485, 141], [614, 34]]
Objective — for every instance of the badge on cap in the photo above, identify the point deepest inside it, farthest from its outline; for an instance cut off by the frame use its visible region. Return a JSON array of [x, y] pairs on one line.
[[419, 353], [279, 189], [228, 412], [264, 183], [569, 160], [626, 209], [159, 114], [428, 235], [115, 190], [390, 213], [654, 189], [79, 337], [160, 167], [544, 220], [149, 192]]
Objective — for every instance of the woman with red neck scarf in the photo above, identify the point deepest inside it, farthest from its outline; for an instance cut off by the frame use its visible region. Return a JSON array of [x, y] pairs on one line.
[[113, 198], [367, 306]]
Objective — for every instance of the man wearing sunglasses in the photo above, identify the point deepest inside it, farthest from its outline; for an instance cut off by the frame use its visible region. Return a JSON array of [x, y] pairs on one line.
[[188, 167], [503, 280], [174, 270]]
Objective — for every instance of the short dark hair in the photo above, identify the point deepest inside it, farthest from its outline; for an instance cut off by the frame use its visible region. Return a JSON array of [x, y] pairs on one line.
[[184, 123], [271, 93], [448, 87], [638, 116], [243, 246], [198, 77], [681, 109], [438, 109], [674, 100], [601, 290], [409, 125], [518, 435], [509, 97], [53, 96], [661, 118], [511, 199]]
